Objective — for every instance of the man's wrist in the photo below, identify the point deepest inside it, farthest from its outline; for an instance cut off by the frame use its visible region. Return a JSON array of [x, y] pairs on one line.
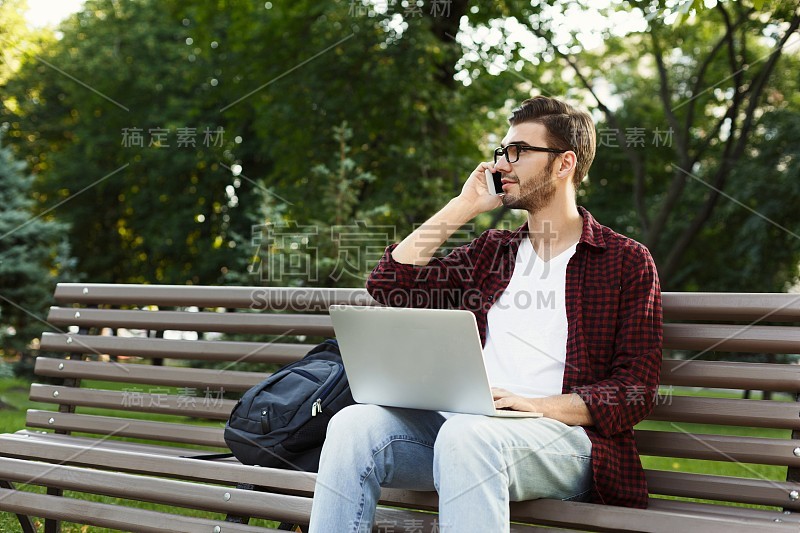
[[463, 210]]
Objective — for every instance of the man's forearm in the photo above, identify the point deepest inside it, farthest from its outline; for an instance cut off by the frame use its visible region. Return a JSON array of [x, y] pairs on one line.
[[567, 408], [422, 243]]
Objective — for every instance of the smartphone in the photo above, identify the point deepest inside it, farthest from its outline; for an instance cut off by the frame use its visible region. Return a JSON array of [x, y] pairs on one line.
[[494, 182]]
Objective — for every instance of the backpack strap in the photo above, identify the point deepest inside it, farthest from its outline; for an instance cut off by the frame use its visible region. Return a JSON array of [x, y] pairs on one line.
[[208, 456]]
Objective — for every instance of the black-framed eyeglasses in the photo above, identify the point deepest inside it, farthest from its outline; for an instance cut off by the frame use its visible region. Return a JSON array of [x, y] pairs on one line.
[[512, 151]]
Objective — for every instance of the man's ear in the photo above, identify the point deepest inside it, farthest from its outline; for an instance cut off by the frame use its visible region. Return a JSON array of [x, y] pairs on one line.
[[568, 163]]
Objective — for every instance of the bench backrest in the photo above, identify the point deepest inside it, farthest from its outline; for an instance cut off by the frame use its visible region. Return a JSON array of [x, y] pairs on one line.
[[181, 325]]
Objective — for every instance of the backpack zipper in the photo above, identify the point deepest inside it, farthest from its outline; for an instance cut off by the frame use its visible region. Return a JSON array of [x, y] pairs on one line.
[[316, 407]]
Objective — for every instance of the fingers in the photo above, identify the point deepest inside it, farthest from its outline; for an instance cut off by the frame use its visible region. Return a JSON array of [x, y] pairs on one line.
[[497, 392], [485, 165], [512, 401], [503, 402], [504, 399]]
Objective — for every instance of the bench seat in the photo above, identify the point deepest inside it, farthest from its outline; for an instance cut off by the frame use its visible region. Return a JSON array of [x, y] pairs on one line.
[[106, 393]]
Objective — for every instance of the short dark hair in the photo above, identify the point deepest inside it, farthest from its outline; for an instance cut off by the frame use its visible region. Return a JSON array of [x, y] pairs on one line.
[[567, 129]]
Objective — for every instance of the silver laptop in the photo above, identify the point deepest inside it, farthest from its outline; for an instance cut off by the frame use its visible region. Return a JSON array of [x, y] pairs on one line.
[[415, 358]]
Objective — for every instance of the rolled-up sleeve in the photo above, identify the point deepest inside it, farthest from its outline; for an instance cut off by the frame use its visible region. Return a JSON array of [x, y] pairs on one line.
[[628, 394]]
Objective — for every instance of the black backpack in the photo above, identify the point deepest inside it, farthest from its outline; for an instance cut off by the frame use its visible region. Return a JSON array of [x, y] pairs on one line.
[[282, 421]]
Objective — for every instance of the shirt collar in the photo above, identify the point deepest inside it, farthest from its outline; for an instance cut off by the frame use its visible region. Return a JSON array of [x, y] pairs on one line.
[[591, 235]]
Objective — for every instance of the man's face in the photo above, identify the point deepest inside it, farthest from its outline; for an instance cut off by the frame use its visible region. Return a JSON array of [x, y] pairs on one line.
[[531, 179]]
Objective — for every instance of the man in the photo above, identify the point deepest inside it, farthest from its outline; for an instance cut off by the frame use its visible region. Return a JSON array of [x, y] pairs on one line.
[[570, 319]]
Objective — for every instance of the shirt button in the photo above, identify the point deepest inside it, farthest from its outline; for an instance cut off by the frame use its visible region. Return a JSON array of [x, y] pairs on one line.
[[490, 298]]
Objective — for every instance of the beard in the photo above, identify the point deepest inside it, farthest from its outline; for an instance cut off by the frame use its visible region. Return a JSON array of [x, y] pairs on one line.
[[534, 194]]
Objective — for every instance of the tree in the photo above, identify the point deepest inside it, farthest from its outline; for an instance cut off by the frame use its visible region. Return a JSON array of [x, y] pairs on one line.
[[763, 247], [708, 81], [135, 149], [33, 254], [168, 216], [424, 97]]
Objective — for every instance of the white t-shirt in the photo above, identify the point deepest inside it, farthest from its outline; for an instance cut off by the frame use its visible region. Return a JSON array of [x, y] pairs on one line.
[[526, 337]]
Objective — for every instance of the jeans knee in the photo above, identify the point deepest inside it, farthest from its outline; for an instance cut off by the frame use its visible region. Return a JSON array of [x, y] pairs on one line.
[[464, 455], [462, 437], [344, 445], [350, 424]]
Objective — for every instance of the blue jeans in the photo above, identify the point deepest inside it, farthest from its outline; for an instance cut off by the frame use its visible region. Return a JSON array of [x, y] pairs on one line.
[[476, 463]]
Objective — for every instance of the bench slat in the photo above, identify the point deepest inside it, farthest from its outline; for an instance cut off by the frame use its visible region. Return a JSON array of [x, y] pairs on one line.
[[199, 378], [210, 407], [731, 375], [756, 413], [680, 506], [754, 450], [282, 298], [112, 516], [677, 305], [258, 323], [159, 490], [56, 448], [729, 489], [732, 338], [669, 444], [122, 445], [721, 374], [763, 307], [168, 461], [126, 427], [287, 508], [724, 411], [251, 352], [713, 337], [126, 457], [613, 518]]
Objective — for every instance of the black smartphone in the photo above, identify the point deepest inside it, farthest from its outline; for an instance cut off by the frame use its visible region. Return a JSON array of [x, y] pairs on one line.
[[494, 182]]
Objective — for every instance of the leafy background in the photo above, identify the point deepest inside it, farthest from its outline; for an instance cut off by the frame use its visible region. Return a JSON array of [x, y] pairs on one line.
[[345, 123]]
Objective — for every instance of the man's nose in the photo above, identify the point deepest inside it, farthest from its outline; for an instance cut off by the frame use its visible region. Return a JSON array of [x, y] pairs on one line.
[[503, 165]]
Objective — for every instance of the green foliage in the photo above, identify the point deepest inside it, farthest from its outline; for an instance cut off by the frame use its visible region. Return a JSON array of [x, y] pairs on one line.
[[709, 82], [277, 80], [32, 254], [327, 248], [757, 225], [159, 211], [423, 99]]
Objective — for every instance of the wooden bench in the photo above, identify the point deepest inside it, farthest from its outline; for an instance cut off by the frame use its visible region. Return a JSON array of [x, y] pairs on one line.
[[86, 443]]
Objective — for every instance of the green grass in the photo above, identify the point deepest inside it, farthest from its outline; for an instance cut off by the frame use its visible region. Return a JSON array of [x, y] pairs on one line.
[[14, 394]]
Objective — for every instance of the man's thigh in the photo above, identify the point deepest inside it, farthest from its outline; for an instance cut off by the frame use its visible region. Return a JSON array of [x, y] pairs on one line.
[[542, 457], [392, 443]]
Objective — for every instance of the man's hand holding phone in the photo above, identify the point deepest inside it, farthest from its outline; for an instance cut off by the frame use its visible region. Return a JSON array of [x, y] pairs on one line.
[[475, 198], [478, 191]]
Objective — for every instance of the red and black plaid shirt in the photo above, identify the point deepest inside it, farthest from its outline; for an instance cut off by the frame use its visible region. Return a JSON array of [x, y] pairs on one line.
[[613, 304]]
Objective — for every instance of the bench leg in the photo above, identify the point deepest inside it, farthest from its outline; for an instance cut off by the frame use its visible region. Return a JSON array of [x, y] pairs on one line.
[[52, 525], [25, 521]]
